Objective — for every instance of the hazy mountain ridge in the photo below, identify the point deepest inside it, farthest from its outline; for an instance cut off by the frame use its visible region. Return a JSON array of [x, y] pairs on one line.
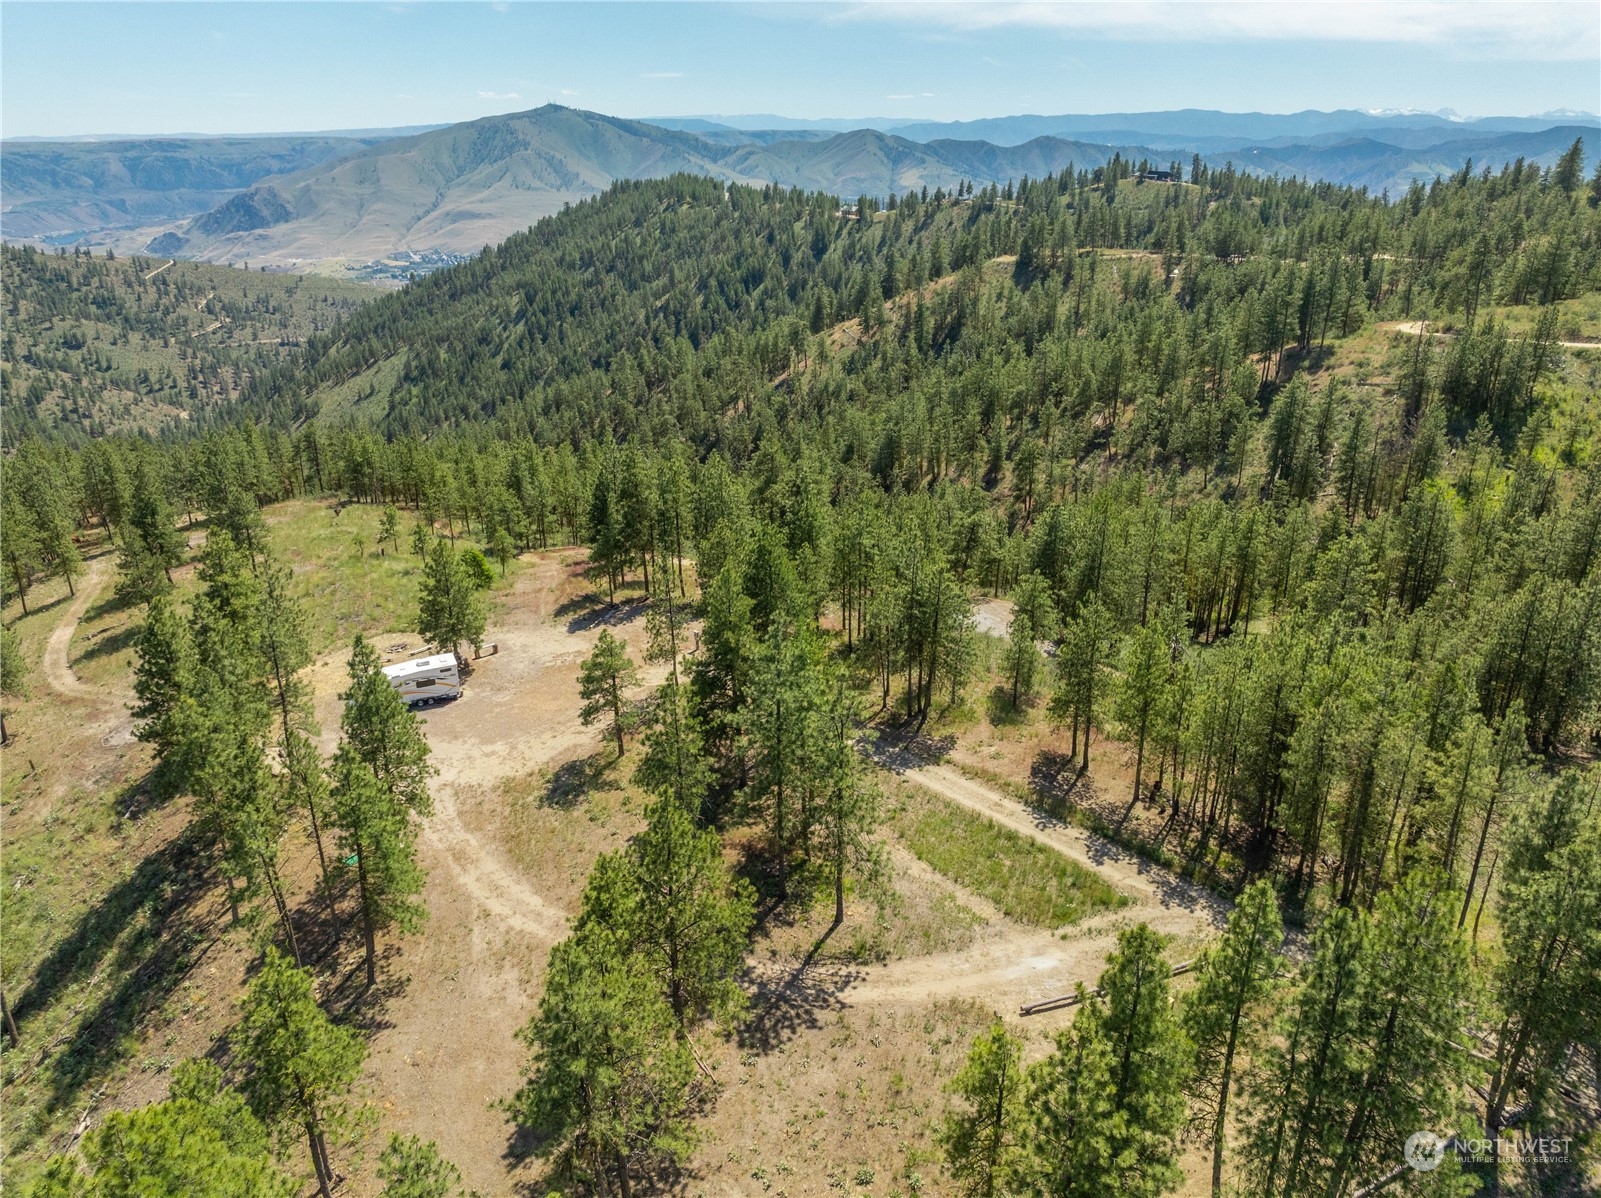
[[63, 187], [457, 188], [1381, 166]]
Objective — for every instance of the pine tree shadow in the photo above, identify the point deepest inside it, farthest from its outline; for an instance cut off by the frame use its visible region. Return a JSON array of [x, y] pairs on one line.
[[579, 604], [786, 1001], [903, 748], [1000, 709], [786, 998], [625, 611], [350, 1001], [572, 780], [108, 643], [147, 934], [110, 604]]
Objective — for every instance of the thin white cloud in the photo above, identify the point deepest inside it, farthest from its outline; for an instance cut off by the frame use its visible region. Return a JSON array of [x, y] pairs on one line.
[[1536, 30], [567, 91], [663, 75], [483, 95]]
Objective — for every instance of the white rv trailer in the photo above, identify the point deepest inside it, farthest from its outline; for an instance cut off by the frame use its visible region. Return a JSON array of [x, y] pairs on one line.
[[425, 680]]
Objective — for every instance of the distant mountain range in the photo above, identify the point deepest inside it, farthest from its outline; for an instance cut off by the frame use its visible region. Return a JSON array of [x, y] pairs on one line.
[[1180, 128], [359, 198], [60, 188]]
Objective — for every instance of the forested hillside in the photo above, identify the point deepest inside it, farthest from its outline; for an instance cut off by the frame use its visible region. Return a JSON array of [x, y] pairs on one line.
[[100, 345], [1295, 496]]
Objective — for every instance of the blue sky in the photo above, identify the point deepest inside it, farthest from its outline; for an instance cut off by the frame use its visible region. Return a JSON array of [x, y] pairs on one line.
[[212, 67]]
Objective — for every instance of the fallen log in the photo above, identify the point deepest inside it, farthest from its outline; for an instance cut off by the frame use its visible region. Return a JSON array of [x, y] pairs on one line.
[[1078, 996]]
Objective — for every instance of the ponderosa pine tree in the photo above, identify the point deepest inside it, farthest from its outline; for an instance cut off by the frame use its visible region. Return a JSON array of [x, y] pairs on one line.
[[1105, 1108], [503, 549], [719, 674], [46, 495], [979, 1135], [384, 732], [1367, 1051], [202, 1142], [664, 626], [163, 676], [675, 764], [1220, 1015], [411, 1167], [769, 580], [306, 789], [258, 820], [673, 514], [299, 1065], [1022, 657], [605, 675], [389, 526], [1507, 756], [608, 538], [152, 524], [281, 638], [450, 610], [1545, 976], [375, 827], [1088, 645], [843, 817], [611, 1078], [1137, 697], [21, 547], [13, 674], [140, 575], [778, 728], [690, 917]]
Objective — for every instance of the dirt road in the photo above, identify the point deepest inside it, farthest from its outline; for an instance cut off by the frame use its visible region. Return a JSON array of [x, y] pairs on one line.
[[1413, 328], [1021, 965], [57, 667]]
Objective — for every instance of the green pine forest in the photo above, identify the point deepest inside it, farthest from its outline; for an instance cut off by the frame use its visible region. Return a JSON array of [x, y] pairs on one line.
[[1295, 493]]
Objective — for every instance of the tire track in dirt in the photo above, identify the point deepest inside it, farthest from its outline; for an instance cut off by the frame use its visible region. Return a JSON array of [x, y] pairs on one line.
[[470, 754], [492, 883]]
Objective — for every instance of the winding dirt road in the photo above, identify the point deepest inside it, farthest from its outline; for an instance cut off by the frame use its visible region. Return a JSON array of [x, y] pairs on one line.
[[519, 715], [1413, 328], [57, 665]]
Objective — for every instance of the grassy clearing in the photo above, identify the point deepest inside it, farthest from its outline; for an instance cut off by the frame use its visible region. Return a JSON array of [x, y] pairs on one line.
[[1029, 881], [347, 582]]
